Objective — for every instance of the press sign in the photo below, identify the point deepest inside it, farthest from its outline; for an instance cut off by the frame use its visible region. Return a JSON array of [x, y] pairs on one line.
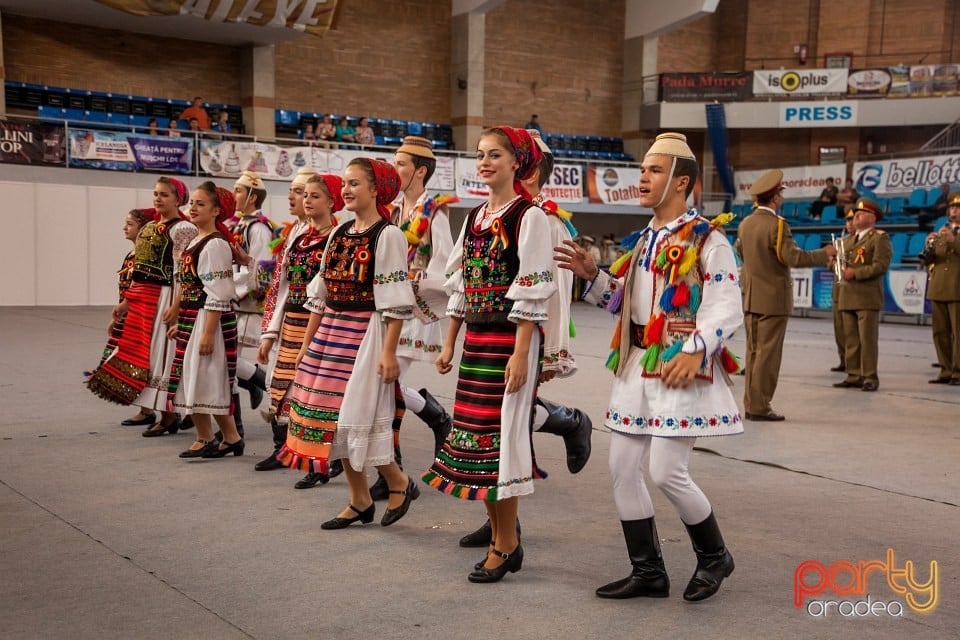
[[818, 114]]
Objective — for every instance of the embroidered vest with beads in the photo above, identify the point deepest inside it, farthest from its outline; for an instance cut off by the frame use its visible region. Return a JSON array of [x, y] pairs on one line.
[[192, 293], [349, 268], [154, 253], [490, 264], [303, 262]]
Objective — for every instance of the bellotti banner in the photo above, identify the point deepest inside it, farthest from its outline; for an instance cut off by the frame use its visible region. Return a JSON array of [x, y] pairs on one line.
[[904, 290], [798, 182], [276, 162], [906, 174], [613, 185], [800, 82]]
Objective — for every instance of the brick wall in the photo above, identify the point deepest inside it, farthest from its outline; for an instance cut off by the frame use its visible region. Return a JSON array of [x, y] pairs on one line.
[[386, 59], [83, 57], [564, 65]]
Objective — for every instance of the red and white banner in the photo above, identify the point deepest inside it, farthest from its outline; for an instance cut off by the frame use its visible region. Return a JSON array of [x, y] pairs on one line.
[[613, 185], [469, 184], [798, 182], [565, 184]]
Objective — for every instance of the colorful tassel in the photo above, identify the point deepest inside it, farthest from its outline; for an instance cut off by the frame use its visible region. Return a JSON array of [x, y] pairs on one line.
[[694, 298], [701, 228], [672, 351], [613, 360], [615, 338], [619, 266], [666, 298], [615, 301], [572, 329], [653, 332], [722, 219], [630, 241], [729, 361], [651, 358], [662, 260], [689, 259], [681, 295]]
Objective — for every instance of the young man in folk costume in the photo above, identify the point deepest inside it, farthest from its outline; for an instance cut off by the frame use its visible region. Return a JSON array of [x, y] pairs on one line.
[[426, 224], [253, 232], [571, 424], [678, 301]]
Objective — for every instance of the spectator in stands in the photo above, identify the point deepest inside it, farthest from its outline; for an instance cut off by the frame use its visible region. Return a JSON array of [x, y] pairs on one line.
[[938, 209], [364, 133], [847, 196], [223, 122], [534, 123], [173, 127], [344, 132], [827, 196], [194, 125], [152, 127], [308, 133], [197, 111], [326, 130], [608, 251], [589, 245]]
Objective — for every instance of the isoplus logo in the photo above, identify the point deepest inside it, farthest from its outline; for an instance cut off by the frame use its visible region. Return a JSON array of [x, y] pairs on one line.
[[846, 578]]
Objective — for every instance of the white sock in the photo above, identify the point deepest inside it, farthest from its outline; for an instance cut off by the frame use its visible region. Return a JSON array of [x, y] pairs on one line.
[[414, 401], [540, 415], [245, 369]]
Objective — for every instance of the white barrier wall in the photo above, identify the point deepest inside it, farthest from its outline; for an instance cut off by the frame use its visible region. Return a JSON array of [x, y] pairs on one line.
[[63, 242]]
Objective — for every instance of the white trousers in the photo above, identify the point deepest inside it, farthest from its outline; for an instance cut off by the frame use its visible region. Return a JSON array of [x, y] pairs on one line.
[[666, 459]]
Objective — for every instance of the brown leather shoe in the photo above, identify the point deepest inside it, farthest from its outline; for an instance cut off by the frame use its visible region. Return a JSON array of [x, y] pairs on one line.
[[765, 417], [940, 381], [869, 385], [839, 367], [848, 384]]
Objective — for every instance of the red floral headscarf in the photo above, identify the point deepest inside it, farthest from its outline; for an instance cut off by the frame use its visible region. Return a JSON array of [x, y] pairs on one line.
[[228, 205], [526, 151], [387, 184], [334, 186]]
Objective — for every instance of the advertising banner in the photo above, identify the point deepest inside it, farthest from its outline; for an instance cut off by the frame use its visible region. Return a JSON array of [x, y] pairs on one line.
[[818, 114], [122, 151], [798, 182], [31, 143], [613, 185], [469, 184], [891, 177], [565, 184], [276, 162], [823, 280], [905, 291], [869, 83], [800, 82], [706, 87], [802, 288]]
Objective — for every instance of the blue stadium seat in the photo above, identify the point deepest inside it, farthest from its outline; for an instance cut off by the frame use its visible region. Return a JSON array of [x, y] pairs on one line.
[[899, 241], [895, 204], [828, 214], [414, 128], [915, 245], [803, 210], [933, 194], [800, 239], [917, 201], [939, 222], [789, 210]]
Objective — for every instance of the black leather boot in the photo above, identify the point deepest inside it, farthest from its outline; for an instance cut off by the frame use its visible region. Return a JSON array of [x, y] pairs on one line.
[[336, 468], [714, 562], [256, 385], [436, 418], [279, 437], [649, 577], [575, 427]]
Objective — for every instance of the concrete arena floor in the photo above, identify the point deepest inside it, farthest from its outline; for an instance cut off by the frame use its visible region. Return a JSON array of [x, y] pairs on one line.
[[104, 534]]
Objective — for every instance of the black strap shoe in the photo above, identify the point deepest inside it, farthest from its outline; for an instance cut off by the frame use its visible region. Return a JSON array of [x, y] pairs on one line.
[[512, 562], [364, 517], [311, 480], [411, 493], [149, 418]]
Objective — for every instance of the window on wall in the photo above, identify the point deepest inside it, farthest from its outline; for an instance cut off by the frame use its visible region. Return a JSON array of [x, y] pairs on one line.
[[832, 155], [842, 60]]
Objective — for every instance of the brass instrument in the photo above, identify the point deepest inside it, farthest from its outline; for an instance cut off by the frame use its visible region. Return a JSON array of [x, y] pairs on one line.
[[840, 262]]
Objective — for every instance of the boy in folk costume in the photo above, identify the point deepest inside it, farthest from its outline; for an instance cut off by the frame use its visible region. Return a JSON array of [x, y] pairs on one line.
[[570, 423], [253, 232], [678, 301]]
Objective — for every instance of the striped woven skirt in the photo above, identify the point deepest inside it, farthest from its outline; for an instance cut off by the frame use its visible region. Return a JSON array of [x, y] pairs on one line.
[[203, 383], [292, 335], [124, 372], [326, 424], [489, 453]]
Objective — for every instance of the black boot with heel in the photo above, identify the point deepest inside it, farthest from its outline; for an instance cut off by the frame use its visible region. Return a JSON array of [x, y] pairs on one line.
[[436, 418], [649, 577], [574, 427], [714, 562]]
